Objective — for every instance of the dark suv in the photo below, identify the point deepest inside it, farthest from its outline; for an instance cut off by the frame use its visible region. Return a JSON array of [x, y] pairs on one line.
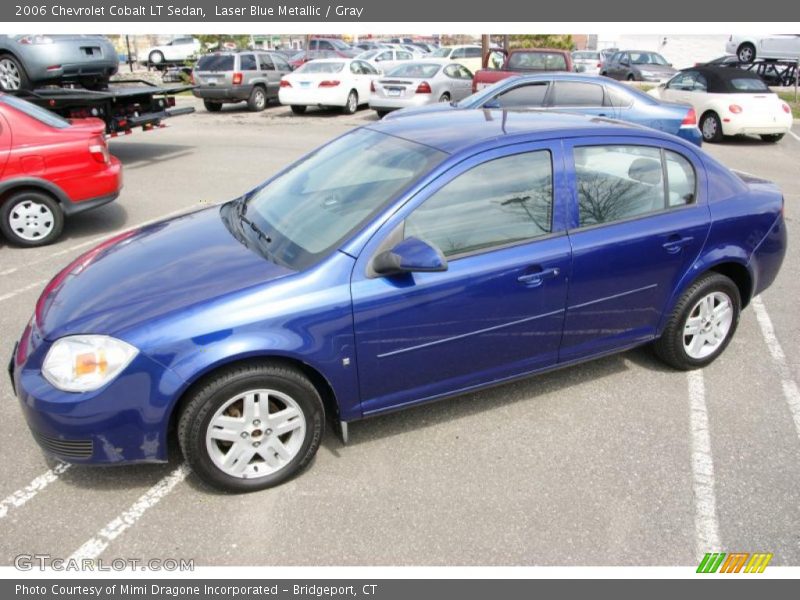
[[244, 76]]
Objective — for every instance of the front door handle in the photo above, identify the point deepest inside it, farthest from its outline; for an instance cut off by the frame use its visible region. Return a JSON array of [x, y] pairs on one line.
[[676, 243], [536, 278]]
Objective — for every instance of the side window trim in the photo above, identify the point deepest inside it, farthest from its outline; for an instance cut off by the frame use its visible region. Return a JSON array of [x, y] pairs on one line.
[[573, 221], [559, 225]]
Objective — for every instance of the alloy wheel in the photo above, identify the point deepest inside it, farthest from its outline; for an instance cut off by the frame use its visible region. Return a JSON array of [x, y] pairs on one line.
[[708, 325], [10, 78], [256, 433]]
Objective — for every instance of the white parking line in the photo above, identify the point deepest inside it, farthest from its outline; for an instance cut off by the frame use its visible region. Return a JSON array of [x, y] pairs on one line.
[[706, 525], [117, 526], [788, 384], [19, 291], [794, 135], [20, 497]]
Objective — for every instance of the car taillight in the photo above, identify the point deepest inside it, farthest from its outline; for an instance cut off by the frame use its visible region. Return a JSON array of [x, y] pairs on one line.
[[99, 151], [690, 119], [735, 109], [237, 78], [424, 88], [371, 86], [786, 108], [285, 83], [329, 83], [599, 65]]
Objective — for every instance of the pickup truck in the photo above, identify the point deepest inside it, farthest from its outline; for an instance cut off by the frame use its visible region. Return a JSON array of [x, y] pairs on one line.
[[523, 60]]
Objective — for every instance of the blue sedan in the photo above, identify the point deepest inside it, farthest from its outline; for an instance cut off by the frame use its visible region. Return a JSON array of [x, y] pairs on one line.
[[401, 263], [583, 94]]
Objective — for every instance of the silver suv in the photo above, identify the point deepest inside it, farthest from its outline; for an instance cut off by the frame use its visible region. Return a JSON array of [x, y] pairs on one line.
[[245, 76]]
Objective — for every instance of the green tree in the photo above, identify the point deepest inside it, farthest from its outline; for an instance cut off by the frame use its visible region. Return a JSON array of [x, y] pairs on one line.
[[214, 41], [562, 41]]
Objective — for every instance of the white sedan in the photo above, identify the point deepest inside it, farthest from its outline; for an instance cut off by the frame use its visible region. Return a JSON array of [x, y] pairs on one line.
[[774, 47], [385, 59], [729, 101], [328, 82]]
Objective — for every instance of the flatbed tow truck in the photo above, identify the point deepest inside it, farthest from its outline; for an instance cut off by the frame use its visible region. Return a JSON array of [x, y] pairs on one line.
[[123, 106]]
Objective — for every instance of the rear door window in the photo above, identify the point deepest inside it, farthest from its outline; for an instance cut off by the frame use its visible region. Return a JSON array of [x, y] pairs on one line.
[[524, 96], [265, 62], [247, 62]]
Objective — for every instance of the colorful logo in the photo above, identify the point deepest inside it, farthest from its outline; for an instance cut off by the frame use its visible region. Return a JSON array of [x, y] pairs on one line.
[[734, 562]]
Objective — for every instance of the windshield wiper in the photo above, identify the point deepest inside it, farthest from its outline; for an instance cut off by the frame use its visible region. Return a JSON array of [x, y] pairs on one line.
[[241, 212]]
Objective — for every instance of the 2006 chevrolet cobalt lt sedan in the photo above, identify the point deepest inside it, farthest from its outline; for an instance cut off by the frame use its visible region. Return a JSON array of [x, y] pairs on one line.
[[402, 262]]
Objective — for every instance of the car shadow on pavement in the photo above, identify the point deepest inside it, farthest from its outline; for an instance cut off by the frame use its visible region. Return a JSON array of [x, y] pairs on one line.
[[92, 223], [524, 390], [743, 140], [135, 155]]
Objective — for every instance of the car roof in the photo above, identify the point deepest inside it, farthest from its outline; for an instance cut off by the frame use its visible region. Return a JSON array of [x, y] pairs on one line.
[[458, 130]]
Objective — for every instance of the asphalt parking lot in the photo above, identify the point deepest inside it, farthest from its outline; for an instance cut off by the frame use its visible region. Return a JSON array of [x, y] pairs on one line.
[[600, 464]]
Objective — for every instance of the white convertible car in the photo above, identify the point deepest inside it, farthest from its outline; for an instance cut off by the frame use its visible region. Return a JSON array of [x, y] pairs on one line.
[[729, 101], [328, 82]]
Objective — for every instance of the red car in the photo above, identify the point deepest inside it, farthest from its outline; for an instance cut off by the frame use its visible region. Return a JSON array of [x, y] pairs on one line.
[[50, 168]]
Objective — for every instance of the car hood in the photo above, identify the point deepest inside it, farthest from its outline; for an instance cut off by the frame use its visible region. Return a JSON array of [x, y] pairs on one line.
[[150, 272], [419, 110]]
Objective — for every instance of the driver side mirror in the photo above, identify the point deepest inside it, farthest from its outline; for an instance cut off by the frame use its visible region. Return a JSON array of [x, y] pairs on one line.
[[412, 255]]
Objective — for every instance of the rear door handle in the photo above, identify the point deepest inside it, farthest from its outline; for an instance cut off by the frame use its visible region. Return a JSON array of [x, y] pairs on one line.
[[537, 278], [676, 243]]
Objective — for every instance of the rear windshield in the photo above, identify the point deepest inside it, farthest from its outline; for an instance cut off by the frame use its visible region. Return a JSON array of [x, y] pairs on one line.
[[415, 70], [215, 62], [35, 112], [321, 67], [741, 84], [545, 61], [586, 55]]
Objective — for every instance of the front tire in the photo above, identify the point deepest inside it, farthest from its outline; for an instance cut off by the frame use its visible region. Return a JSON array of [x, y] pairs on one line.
[[352, 103], [711, 127], [702, 324], [251, 427], [746, 53], [31, 219], [772, 138]]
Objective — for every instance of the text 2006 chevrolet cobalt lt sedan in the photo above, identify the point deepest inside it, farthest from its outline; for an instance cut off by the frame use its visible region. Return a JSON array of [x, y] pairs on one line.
[[403, 262]]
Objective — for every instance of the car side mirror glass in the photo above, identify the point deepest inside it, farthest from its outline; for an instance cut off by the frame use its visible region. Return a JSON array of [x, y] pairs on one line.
[[412, 255]]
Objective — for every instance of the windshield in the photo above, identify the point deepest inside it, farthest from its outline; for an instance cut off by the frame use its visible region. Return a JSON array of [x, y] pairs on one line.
[[33, 111], [215, 62], [441, 53], [543, 61], [319, 201], [415, 70], [321, 67], [339, 44], [586, 56], [648, 58]]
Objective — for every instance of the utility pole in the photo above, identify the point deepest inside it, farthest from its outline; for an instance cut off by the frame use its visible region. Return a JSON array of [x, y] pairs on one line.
[[484, 50]]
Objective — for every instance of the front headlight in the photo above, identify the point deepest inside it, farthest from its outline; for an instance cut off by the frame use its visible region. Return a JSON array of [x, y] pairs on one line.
[[82, 363]]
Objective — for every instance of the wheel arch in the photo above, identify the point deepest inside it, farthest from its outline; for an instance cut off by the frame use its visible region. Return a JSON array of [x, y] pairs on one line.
[[13, 186], [735, 268], [314, 374]]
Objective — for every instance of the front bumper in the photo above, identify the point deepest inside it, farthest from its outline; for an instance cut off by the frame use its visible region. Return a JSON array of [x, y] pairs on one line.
[[125, 421]]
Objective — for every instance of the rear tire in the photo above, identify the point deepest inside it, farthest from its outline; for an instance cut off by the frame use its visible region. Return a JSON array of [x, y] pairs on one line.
[[13, 77], [156, 58], [711, 127], [683, 350], [772, 138], [445, 97], [212, 106], [298, 109], [230, 428], [31, 218], [258, 99], [631, 77], [352, 103]]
